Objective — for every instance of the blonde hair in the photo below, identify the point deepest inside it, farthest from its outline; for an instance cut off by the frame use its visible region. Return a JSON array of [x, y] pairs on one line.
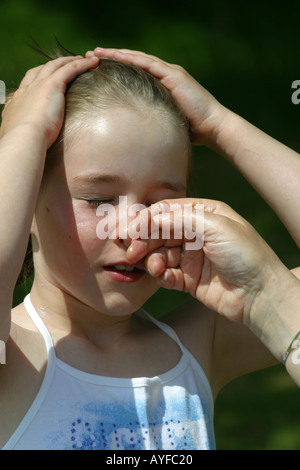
[[114, 83]]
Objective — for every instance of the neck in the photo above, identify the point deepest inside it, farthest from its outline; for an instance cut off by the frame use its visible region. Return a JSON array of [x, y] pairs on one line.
[[67, 316]]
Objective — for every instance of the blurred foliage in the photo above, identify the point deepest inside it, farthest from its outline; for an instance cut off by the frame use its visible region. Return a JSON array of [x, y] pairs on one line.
[[246, 54]]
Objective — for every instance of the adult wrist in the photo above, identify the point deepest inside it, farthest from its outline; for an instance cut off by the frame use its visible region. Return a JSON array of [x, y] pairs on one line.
[[222, 123], [275, 313], [27, 133]]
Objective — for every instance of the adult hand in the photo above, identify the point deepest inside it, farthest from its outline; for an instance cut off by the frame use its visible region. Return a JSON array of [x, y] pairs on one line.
[[226, 274], [40, 99], [204, 113]]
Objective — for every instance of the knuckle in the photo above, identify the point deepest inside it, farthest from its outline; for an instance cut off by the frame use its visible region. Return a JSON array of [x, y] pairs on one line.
[[179, 69], [222, 205], [72, 65], [29, 72], [15, 95]]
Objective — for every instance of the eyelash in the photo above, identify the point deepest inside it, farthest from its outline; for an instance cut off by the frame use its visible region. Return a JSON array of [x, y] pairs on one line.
[[99, 202]]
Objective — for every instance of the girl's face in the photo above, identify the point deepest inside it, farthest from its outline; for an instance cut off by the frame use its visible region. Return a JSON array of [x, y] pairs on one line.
[[120, 153]]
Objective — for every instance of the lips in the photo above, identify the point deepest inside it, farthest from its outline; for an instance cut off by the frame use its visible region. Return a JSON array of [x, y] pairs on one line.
[[125, 272]]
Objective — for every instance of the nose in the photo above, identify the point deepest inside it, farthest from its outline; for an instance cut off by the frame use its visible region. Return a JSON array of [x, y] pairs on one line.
[[132, 221]]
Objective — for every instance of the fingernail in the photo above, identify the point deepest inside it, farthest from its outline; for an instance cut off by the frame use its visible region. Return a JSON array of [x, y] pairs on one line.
[[164, 280], [151, 272]]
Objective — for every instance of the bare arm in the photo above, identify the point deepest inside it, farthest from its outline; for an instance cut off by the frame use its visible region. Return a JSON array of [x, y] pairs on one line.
[[270, 167], [20, 178], [31, 122]]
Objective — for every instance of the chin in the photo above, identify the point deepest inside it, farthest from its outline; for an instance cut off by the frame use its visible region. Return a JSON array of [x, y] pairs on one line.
[[120, 304]]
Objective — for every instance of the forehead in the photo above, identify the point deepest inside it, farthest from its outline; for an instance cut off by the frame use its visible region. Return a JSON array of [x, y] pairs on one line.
[[123, 141]]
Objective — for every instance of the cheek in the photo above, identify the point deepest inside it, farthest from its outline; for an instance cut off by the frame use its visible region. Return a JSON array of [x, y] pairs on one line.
[[86, 234], [65, 234]]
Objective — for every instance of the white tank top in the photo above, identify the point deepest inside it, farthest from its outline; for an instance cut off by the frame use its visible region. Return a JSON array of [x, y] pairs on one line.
[[78, 410]]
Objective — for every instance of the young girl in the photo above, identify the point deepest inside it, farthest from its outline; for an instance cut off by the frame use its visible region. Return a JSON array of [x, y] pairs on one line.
[[86, 367]]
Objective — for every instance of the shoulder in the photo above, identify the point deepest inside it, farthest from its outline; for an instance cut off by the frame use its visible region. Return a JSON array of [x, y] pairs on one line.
[[25, 348], [224, 349], [237, 351], [26, 338], [22, 375]]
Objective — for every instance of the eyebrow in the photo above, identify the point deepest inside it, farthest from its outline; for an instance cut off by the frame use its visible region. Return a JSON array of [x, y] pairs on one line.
[[94, 178], [174, 185]]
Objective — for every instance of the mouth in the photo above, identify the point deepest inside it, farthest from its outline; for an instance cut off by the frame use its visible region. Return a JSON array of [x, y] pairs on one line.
[[124, 272]]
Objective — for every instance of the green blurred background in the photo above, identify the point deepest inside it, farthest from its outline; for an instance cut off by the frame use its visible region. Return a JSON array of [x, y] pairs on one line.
[[246, 54]]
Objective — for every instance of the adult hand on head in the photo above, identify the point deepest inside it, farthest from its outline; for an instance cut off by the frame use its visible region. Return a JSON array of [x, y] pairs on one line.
[[204, 113], [40, 99]]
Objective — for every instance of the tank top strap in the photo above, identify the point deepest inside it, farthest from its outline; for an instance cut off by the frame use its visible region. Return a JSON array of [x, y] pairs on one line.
[[40, 326], [166, 328]]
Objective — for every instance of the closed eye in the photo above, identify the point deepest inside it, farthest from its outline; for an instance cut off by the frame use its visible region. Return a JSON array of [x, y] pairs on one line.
[[99, 202]]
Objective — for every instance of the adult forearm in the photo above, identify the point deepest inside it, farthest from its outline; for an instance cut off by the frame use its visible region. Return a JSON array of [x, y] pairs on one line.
[[270, 167]]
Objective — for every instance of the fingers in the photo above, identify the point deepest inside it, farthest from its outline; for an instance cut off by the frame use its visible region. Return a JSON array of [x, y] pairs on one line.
[[186, 276], [47, 68], [220, 208], [125, 53], [220, 227], [175, 268], [173, 279], [156, 263], [181, 225], [40, 98], [72, 69], [52, 65], [140, 248], [155, 66], [30, 76], [69, 68]]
